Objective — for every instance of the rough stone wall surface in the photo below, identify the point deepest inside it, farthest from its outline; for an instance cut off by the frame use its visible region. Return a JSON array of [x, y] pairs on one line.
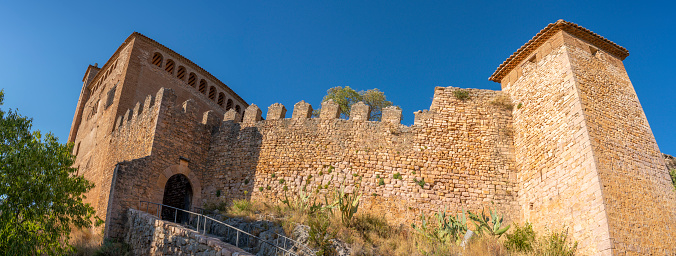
[[639, 198], [462, 150], [559, 185], [179, 145], [148, 235]]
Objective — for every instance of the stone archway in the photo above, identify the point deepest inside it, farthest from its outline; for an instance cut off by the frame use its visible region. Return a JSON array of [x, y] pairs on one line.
[[180, 181], [177, 193]]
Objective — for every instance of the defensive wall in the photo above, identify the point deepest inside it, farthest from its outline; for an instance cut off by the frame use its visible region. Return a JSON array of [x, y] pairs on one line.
[[565, 143]]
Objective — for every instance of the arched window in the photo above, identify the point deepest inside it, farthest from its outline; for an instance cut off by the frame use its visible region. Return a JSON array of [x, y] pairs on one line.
[[192, 79], [212, 93], [229, 105], [181, 73], [221, 99], [238, 109], [169, 67], [203, 86], [157, 59]]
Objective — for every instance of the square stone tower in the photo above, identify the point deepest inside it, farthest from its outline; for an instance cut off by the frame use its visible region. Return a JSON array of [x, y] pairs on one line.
[[586, 156]]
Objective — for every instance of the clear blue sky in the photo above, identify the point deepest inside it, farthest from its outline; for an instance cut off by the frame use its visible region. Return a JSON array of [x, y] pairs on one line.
[[288, 51]]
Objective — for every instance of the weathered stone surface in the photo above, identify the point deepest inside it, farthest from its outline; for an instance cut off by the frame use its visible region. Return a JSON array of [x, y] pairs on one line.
[[147, 235], [575, 150]]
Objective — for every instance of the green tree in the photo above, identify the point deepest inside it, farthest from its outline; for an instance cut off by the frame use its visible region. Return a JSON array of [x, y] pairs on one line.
[[346, 96], [40, 194]]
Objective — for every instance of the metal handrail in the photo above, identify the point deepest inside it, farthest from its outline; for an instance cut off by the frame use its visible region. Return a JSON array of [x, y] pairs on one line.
[[204, 228]]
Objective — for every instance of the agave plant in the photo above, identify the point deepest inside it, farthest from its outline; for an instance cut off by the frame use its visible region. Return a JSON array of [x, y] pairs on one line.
[[448, 229], [491, 224], [348, 204]]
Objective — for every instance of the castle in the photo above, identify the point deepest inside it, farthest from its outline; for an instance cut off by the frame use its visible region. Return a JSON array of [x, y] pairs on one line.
[[565, 143]]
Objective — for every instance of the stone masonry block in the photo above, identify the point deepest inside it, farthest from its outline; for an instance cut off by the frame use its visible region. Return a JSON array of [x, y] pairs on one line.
[[232, 115], [210, 118], [252, 114], [392, 115], [330, 110], [165, 97], [137, 110], [360, 112], [190, 107], [301, 110], [276, 111]]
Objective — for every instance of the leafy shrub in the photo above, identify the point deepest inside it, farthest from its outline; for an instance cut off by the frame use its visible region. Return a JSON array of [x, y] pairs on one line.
[[320, 233], [218, 193], [556, 244], [309, 176], [420, 183], [281, 181], [246, 181], [260, 189], [330, 169], [381, 182], [110, 248], [241, 206], [522, 239], [268, 187], [397, 176], [461, 94], [273, 175], [519, 106]]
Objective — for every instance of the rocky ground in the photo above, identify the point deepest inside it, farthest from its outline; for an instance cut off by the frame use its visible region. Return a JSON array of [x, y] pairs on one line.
[[268, 231]]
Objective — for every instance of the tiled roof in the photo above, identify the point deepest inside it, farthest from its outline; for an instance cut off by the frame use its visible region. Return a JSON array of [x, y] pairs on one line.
[[549, 31]]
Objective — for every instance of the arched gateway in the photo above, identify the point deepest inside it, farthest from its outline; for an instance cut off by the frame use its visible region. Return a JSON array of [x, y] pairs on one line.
[[178, 187], [177, 193]]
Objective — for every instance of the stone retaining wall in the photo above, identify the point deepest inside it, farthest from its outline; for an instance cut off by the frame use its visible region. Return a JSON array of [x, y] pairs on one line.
[[148, 235]]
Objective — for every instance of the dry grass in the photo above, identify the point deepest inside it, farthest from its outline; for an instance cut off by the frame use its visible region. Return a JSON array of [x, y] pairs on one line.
[[85, 241], [503, 101]]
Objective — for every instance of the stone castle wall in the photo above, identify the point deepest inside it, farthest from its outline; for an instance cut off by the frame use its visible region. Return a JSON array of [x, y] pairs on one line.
[[461, 149]]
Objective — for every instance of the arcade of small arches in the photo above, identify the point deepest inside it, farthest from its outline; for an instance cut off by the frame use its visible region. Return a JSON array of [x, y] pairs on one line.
[[212, 92]]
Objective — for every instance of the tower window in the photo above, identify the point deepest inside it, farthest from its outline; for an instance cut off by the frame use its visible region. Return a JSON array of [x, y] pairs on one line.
[[110, 96], [238, 109], [181, 73], [192, 78], [203, 86], [229, 105], [169, 67], [157, 59], [221, 99], [593, 50], [212, 93]]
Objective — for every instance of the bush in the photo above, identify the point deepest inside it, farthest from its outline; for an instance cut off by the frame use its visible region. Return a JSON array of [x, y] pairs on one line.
[[241, 206], [556, 244], [461, 94], [397, 176], [522, 239], [503, 101], [110, 248], [320, 233]]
